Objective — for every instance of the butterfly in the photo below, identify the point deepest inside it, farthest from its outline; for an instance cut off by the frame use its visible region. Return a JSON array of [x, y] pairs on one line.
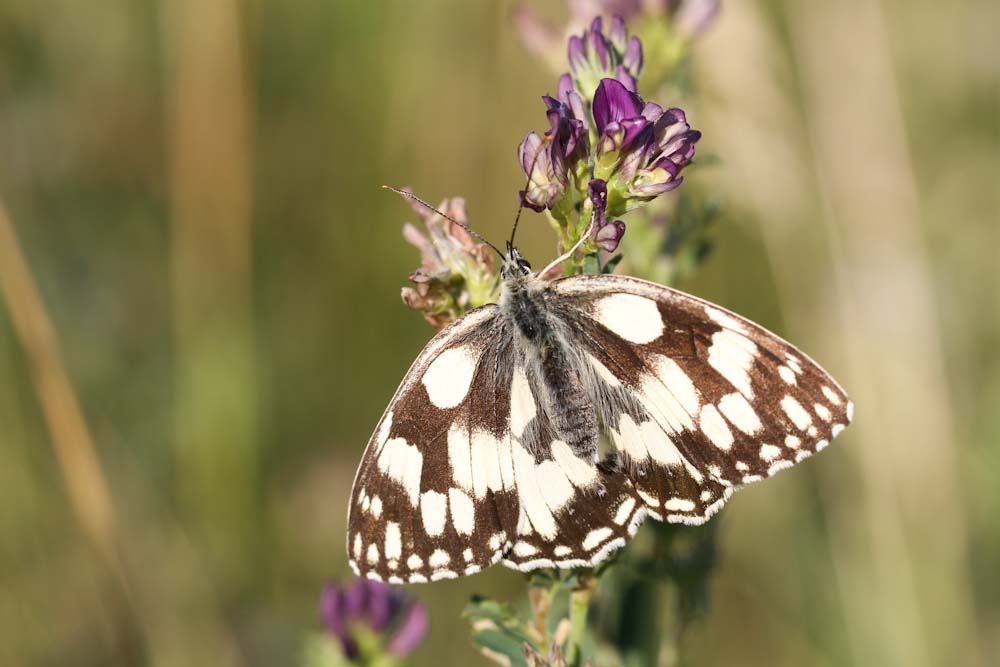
[[542, 430]]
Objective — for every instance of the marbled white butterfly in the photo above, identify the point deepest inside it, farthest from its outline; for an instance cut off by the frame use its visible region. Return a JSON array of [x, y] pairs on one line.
[[542, 430]]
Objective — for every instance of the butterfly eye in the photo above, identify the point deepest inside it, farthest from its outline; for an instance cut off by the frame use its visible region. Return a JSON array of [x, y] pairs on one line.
[[523, 264]]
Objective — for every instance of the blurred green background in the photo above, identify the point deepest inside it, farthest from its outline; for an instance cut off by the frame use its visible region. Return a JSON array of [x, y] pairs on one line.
[[194, 186]]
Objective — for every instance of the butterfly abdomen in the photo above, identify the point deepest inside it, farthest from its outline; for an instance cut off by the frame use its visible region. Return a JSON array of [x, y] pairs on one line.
[[567, 401]]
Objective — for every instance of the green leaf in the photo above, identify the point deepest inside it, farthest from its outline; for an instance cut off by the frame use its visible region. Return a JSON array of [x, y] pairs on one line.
[[609, 266], [498, 627], [496, 642]]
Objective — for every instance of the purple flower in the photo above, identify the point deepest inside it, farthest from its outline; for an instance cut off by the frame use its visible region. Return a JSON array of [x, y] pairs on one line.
[[617, 117], [378, 608], [552, 162], [606, 235], [641, 149], [684, 21], [594, 56], [544, 184]]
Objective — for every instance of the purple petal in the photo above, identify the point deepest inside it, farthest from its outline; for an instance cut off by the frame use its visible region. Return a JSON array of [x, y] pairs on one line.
[[527, 152], [654, 189], [611, 139], [610, 235], [632, 58], [411, 631], [633, 128], [527, 203], [383, 606], [669, 166], [575, 53], [332, 610], [576, 105], [618, 32], [652, 111], [357, 599], [597, 190], [673, 115], [598, 193], [564, 88], [626, 78], [596, 26], [614, 102], [598, 45]]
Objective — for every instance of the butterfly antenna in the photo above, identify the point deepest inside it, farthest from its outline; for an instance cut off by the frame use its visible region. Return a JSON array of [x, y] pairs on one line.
[[520, 203], [410, 195]]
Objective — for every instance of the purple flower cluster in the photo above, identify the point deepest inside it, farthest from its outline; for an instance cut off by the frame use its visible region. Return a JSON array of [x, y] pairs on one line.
[[603, 138], [677, 22], [553, 162], [375, 610], [594, 56], [640, 146]]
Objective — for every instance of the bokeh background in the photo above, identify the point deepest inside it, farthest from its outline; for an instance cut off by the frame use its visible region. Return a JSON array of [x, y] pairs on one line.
[[194, 188]]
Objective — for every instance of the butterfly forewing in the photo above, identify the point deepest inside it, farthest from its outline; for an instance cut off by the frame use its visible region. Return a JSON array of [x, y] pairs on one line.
[[706, 400], [431, 489]]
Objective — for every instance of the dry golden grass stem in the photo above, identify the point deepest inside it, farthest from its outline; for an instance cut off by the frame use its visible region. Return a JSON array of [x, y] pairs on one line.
[[71, 441]]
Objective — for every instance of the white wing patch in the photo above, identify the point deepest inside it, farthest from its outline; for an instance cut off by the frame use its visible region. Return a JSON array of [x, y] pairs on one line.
[[796, 413], [532, 501], [634, 318], [740, 413], [448, 377], [434, 512], [403, 463], [522, 403], [732, 355], [715, 428]]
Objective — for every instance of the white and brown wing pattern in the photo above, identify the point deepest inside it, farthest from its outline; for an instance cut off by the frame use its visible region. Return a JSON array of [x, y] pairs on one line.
[[434, 497], [698, 401]]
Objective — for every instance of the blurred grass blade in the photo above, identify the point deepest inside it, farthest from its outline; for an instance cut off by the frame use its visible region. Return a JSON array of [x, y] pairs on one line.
[[216, 395], [71, 440]]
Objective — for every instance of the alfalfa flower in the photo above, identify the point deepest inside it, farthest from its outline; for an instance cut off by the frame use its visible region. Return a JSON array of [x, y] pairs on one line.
[[373, 622], [641, 148], [605, 235], [456, 273], [558, 160], [595, 55]]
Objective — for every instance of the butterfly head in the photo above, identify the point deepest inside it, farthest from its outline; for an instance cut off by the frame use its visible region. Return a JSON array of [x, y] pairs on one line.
[[514, 265]]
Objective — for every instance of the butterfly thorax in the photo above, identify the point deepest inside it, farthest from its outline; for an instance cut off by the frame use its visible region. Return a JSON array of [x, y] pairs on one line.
[[549, 359]]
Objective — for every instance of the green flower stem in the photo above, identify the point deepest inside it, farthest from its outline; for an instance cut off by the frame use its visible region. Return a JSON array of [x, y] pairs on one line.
[[579, 603], [541, 601]]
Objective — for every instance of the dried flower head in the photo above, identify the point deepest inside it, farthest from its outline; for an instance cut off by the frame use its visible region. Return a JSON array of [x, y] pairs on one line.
[[456, 273]]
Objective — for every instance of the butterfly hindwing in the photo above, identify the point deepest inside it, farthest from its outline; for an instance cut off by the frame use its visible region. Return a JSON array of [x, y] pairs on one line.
[[572, 511]]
